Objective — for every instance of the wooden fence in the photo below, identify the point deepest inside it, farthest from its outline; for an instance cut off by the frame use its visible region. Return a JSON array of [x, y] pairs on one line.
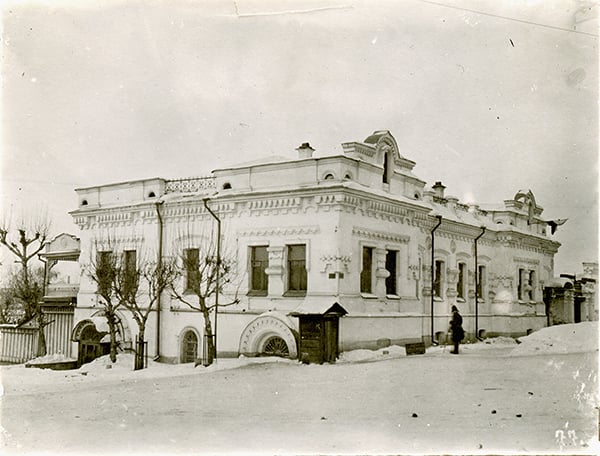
[[17, 345]]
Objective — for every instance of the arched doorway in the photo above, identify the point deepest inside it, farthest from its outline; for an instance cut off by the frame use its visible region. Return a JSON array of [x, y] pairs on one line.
[[91, 342], [91, 346], [93, 339], [189, 346]]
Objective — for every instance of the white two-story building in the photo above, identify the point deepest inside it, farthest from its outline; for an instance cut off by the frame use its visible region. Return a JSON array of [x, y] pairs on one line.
[[305, 233]]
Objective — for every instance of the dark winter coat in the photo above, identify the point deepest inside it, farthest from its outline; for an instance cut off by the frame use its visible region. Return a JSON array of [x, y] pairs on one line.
[[458, 333]]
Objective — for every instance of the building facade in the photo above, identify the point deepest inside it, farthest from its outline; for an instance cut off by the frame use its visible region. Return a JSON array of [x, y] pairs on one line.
[[358, 229]]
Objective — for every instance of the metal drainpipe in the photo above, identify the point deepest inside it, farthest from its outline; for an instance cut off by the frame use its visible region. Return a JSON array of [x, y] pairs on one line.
[[477, 285], [218, 276], [439, 218], [159, 264]]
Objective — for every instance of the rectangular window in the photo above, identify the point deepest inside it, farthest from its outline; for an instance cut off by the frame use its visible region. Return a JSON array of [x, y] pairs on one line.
[[259, 283], [130, 259], [527, 285], [130, 277], [390, 264], [105, 272], [103, 260], [191, 260], [297, 269], [438, 278], [462, 281], [481, 279], [366, 277], [520, 286]]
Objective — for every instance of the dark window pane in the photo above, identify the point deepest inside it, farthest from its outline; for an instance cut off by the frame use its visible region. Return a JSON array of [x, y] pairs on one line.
[[259, 263], [481, 282], [460, 286], [390, 265], [297, 268], [192, 265], [437, 278], [367, 268]]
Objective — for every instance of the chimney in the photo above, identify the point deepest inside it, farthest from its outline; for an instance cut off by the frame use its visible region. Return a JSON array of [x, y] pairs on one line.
[[305, 151], [438, 188]]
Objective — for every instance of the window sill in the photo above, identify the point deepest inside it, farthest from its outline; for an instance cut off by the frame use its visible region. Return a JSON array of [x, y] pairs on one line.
[[461, 300], [438, 299], [368, 296], [294, 294], [393, 296], [257, 293]]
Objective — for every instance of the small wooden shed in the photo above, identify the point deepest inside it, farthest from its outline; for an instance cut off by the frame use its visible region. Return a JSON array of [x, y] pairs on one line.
[[319, 332]]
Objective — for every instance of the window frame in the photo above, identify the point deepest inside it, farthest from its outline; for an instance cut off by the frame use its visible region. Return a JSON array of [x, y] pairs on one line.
[[461, 283], [302, 288], [438, 278], [481, 282], [393, 275], [367, 270], [264, 290], [191, 274]]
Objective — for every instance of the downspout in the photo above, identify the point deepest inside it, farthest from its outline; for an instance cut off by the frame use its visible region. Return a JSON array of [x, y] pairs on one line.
[[159, 265], [477, 285], [439, 219], [218, 275]]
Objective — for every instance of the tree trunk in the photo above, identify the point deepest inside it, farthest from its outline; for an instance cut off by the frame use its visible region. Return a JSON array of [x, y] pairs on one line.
[[140, 348], [41, 349], [111, 320], [208, 335]]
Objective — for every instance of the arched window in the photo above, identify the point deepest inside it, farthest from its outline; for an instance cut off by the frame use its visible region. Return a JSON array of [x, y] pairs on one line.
[[189, 347], [386, 166]]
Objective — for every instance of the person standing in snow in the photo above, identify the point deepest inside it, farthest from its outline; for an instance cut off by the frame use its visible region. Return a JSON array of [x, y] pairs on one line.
[[458, 333]]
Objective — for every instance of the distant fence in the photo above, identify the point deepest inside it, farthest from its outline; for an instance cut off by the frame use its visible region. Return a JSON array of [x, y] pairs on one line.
[[17, 345], [58, 332]]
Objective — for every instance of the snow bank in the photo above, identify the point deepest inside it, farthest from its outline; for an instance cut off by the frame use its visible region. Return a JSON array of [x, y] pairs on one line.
[[362, 355], [500, 341], [571, 338], [55, 358]]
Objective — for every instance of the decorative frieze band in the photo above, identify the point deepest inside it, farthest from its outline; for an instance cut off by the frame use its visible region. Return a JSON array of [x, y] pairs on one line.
[[380, 235], [526, 261], [280, 231]]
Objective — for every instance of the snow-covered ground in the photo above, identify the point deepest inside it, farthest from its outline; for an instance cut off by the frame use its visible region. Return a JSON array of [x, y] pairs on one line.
[[536, 396]]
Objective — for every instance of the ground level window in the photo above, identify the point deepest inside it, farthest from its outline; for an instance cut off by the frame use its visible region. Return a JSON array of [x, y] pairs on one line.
[[275, 346], [189, 349]]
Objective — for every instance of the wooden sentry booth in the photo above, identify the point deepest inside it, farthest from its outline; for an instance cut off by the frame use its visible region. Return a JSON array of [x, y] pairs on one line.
[[319, 332]]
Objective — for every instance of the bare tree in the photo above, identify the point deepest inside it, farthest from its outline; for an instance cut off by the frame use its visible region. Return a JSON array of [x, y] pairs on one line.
[[199, 270], [103, 270], [138, 286], [24, 243]]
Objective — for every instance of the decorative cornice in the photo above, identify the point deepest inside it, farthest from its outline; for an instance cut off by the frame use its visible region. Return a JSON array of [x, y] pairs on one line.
[[280, 231], [526, 260], [380, 235], [274, 203]]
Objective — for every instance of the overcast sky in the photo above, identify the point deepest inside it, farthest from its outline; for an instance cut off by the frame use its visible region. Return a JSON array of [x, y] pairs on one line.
[[487, 96]]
